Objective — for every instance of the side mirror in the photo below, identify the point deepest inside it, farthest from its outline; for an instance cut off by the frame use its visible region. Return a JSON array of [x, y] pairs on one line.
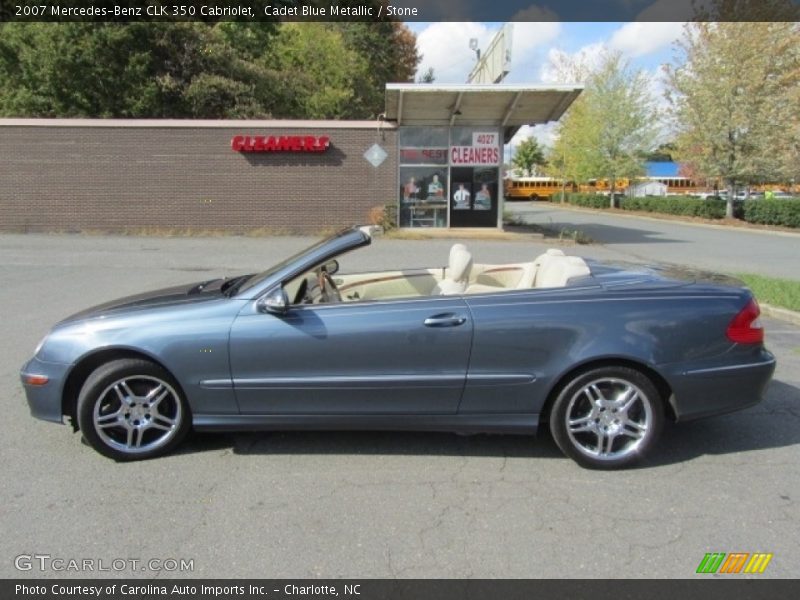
[[275, 302], [331, 267]]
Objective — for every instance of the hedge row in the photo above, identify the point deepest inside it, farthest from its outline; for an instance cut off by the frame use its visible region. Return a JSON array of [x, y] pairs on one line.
[[783, 212], [586, 200], [713, 208]]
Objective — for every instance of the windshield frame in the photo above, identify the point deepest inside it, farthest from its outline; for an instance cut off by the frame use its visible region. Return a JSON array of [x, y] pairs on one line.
[[323, 250]]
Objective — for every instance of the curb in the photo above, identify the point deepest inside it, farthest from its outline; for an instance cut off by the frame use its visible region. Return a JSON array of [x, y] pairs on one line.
[[784, 314], [424, 233]]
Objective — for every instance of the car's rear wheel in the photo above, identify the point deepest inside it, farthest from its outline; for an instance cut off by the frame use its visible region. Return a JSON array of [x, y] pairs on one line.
[[607, 418], [132, 409]]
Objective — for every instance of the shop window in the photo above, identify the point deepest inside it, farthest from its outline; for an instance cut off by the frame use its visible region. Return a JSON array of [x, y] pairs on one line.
[[448, 176], [461, 136], [423, 196], [423, 137]]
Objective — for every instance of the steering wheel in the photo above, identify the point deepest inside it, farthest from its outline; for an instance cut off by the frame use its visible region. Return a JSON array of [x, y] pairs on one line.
[[328, 289]]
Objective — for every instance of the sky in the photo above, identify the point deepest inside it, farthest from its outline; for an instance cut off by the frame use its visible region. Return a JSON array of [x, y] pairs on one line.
[[537, 47]]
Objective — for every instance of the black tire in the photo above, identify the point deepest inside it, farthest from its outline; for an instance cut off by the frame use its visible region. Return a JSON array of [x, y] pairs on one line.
[[132, 409], [615, 413]]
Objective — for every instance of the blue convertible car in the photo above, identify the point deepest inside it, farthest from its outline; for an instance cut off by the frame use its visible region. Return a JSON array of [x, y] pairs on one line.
[[602, 354]]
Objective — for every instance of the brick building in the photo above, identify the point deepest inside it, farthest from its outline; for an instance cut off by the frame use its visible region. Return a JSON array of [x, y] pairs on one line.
[[436, 155]]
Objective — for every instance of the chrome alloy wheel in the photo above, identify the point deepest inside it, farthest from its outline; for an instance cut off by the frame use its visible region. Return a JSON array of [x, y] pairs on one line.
[[137, 414], [608, 419]]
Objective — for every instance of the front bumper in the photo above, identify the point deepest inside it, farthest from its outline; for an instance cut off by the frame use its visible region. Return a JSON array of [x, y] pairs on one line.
[[44, 401], [702, 390]]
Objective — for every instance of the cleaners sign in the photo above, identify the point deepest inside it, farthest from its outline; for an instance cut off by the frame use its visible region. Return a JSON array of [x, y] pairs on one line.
[[485, 150], [280, 143]]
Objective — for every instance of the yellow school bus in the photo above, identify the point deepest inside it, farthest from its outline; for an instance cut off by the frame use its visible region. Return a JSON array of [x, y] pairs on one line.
[[534, 188]]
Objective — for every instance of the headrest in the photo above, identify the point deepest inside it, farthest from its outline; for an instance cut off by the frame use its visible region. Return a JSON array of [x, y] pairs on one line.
[[557, 271], [457, 248], [460, 263], [548, 254]]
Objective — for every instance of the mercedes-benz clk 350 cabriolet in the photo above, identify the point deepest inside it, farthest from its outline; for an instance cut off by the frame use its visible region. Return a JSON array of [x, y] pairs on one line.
[[601, 354]]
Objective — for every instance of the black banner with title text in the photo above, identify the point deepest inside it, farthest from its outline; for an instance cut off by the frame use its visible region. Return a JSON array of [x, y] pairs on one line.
[[402, 10], [402, 589]]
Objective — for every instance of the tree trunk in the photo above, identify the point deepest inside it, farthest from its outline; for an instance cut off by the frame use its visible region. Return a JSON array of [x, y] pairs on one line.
[[729, 200], [613, 192]]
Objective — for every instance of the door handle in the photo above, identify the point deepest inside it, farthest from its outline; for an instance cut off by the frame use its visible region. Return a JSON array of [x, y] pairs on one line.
[[447, 320]]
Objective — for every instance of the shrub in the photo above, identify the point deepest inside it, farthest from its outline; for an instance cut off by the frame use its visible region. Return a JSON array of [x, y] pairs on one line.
[[712, 208], [585, 200], [375, 215], [383, 216], [784, 212]]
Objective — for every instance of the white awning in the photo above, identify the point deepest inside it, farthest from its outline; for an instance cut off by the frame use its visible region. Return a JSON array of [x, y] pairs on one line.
[[496, 105]]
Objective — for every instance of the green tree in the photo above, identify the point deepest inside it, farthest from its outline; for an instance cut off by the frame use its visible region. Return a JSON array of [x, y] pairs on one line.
[[747, 10], [661, 154], [126, 70], [572, 156], [73, 69], [427, 77], [227, 69], [610, 127], [315, 89], [390, 51], [734, 93], [528, 155]]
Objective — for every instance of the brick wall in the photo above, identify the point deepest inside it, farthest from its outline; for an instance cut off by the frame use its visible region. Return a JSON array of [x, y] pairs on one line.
[[73, 178]]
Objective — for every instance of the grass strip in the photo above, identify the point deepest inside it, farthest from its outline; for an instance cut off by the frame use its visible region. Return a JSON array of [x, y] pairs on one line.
[[771, 290]]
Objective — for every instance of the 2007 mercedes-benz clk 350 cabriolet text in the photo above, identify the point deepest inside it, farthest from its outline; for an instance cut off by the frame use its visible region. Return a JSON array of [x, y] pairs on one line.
[[602, 354]]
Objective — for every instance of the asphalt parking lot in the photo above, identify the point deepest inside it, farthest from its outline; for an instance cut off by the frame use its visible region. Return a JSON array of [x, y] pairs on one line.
[[371, 504]]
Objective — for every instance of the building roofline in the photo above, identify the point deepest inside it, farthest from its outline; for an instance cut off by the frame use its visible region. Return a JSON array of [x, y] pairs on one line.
[[484, 87], [199, 123]]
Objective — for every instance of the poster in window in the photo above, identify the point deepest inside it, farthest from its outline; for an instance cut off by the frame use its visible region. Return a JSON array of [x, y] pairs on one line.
[[435, 189], [462, 196], [483, 198], [410, 190]]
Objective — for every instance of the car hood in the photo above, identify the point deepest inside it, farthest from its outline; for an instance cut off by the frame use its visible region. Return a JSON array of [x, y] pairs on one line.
[[203, 291]]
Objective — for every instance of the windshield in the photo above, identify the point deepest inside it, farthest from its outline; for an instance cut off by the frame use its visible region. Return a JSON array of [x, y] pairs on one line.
[[255, 280]]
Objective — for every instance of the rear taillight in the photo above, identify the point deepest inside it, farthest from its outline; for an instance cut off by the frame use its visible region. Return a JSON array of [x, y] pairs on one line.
[[746, 327]]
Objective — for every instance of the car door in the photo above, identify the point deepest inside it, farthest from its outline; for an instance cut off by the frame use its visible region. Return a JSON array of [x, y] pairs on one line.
[[382, 357], [522, 342]]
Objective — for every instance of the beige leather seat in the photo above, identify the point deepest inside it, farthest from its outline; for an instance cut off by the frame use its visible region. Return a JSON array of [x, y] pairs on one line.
[[529, 270], [457, 274], [556, 271]]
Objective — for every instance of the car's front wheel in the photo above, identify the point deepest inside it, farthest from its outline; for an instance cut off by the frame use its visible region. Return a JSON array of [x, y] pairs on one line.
[[132, 409], [607, 418]]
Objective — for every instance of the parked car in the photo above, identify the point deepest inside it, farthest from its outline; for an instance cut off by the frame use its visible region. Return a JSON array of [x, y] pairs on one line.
[[602, 354], [712, 195], [743, 195]]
